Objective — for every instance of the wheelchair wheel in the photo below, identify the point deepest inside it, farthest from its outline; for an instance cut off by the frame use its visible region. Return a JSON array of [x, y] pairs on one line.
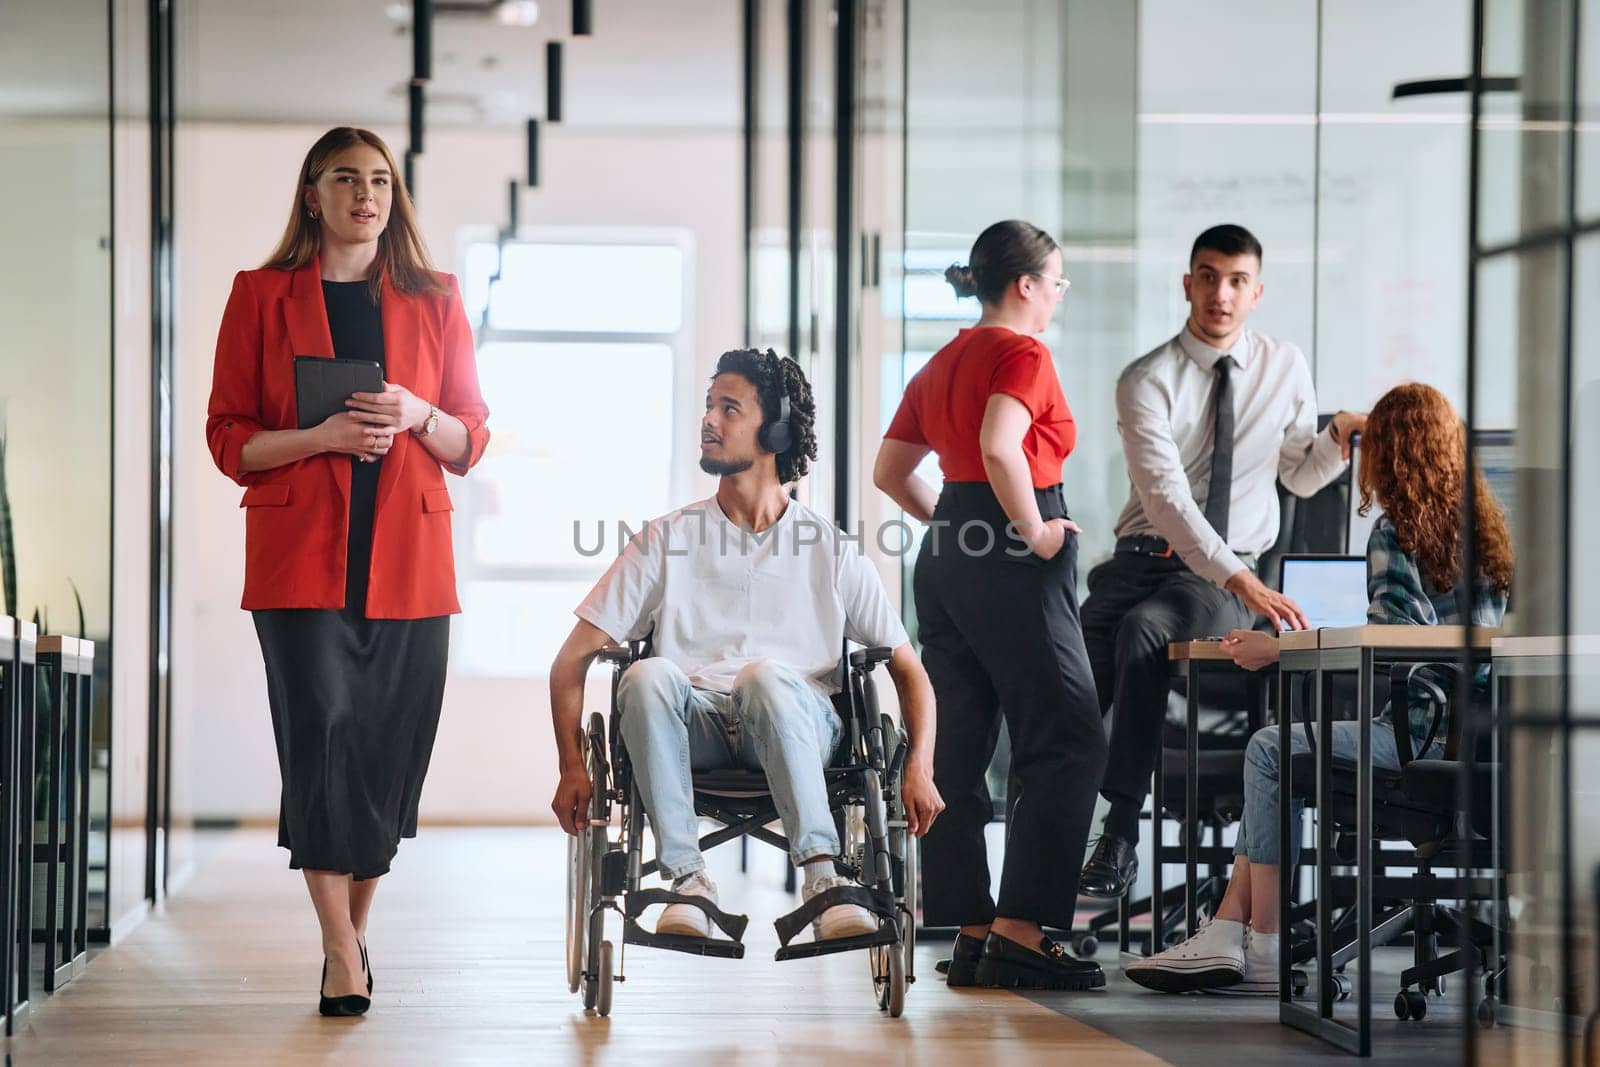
[[910, 901], [577, 905], [889, 978], [603, 995], [591, 920]]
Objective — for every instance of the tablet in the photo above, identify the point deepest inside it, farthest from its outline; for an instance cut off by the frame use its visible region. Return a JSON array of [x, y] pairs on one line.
[[321, 386]]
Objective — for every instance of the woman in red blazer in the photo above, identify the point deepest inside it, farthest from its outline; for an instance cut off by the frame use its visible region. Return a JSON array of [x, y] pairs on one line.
[[349, 571]]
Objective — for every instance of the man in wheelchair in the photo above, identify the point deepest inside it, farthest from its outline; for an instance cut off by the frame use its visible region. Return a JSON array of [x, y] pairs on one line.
[[746, 600]]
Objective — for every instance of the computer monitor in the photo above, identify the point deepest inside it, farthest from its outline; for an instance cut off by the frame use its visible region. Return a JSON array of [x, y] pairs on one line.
[[1358, 528], [1497, 458], [1495, 451], [1331, 590]]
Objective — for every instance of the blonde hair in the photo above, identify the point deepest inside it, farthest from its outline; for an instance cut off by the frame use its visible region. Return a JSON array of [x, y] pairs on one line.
[[402, 257]]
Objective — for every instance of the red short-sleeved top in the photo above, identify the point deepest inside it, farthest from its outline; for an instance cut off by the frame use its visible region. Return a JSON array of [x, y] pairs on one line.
[[944, 403]]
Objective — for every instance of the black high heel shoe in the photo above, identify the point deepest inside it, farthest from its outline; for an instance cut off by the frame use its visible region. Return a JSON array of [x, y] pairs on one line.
[[353, 1004]]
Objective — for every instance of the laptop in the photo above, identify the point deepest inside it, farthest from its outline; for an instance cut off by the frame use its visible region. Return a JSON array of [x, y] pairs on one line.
[[1331, 590]]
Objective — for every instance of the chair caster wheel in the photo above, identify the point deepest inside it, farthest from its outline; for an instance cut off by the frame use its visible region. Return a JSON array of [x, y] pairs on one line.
[[1342, 987], [1299, 982], [1410, 1004], [1084, 946], [1486, 1012]]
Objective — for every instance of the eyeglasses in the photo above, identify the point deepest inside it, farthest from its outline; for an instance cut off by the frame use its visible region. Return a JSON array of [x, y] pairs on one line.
[[1061, 284]]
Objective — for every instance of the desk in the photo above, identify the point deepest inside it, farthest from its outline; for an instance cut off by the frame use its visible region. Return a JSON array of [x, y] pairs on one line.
[[1357, 650]]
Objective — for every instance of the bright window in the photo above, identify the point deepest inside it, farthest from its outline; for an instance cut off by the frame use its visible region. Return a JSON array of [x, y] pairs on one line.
[[578, 348]]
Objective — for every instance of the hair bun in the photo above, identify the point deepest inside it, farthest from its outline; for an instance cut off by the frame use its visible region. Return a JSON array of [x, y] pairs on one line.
[[961, 279]]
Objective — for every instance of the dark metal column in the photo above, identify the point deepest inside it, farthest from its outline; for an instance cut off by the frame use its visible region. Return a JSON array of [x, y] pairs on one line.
[[846, 48]]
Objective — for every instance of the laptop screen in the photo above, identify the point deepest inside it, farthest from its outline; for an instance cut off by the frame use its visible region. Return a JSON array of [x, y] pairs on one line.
[[1331, 590]]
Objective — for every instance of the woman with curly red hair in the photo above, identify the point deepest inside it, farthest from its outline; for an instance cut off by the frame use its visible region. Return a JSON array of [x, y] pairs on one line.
[[1415, 467]]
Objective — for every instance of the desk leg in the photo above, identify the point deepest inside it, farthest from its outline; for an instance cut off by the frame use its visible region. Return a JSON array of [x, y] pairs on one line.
[[1322, 696], [1364, 857], [80, 949], [1191, 799], [52, 814], [1285, 867], [71, 723], [26, 772], [10, 709]]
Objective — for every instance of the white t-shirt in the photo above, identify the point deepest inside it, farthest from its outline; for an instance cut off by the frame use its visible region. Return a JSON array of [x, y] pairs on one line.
[[719, 597]]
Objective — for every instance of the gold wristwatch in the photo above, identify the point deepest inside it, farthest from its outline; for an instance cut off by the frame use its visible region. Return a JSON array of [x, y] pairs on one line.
[[429, 424]]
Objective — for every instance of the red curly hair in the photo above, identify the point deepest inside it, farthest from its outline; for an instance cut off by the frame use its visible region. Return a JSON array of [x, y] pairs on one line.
[[1414, 464]]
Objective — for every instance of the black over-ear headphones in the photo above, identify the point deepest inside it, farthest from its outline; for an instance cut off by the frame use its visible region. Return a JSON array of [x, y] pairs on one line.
[[776, 437]]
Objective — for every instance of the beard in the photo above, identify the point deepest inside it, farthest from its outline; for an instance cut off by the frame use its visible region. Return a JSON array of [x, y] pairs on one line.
[[724, 467]]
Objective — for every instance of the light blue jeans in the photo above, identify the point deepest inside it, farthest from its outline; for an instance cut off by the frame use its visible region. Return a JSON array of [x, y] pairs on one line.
[[773, 721], [1259, 843]]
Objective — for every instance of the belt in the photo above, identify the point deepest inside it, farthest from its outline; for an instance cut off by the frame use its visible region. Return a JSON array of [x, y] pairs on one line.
[[1151, 545], [1145, 545]]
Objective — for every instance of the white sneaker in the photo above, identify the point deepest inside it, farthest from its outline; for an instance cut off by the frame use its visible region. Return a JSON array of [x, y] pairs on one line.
[[1260, 968], [686, 920], [1212, 958], [841, 920]]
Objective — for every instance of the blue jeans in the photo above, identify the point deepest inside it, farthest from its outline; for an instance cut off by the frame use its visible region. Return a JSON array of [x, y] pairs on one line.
[[1261, 782], [773, 721]]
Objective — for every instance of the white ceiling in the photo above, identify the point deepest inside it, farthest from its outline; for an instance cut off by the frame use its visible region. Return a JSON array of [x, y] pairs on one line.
[[652, 63]]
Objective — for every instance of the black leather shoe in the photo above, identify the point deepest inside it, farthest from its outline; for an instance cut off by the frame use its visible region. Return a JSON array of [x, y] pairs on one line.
[[1111, 868], [366, 965], [1008, 965], [353, 1004], [961, 968]]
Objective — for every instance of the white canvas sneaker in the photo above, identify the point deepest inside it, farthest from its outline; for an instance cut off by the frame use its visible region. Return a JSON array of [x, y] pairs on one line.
[[1212, 958], [1260, 968], [686, 920], [841, 920]]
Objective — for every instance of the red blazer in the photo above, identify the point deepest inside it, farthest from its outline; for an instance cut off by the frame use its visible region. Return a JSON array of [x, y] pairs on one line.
[[297, 517]]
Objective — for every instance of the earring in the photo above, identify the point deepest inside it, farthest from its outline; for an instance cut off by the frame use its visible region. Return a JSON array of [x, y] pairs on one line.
[[312, 213]]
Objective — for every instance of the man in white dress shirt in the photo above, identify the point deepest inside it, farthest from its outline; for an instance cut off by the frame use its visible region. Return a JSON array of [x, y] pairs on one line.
[[1185, 557]]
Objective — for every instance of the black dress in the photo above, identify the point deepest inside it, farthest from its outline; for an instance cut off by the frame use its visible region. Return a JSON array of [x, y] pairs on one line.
[[355, 701]]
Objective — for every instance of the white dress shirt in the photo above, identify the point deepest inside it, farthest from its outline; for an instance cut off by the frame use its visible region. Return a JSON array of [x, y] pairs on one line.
[[1166, 416]]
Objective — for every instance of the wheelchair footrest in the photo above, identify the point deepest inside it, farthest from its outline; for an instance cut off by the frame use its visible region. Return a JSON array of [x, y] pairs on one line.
[[640, 899], [634, 934], [877, 901], [888, 935]]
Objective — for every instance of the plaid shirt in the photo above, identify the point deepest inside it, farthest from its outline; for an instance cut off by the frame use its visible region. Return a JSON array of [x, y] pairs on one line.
[[1398, 593]]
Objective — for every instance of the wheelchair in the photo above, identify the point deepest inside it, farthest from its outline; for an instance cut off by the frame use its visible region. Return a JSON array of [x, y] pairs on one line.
[[605, 861]]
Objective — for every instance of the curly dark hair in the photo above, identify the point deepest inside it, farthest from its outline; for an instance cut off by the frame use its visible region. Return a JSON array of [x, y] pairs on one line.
[[769, 373], [1414, 465]]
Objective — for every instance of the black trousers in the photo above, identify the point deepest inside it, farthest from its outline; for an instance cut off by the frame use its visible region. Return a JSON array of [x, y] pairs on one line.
[[1137, 606], [1000, 636]]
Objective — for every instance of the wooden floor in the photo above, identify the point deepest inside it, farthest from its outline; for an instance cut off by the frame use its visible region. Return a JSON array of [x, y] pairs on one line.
[[466, 943]]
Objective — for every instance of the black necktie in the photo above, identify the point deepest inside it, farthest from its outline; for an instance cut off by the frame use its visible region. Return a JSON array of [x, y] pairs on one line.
[[1221, 487]]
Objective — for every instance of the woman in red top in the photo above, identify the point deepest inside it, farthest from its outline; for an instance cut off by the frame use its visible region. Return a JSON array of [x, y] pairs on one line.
[[997, 607], [348, 563]]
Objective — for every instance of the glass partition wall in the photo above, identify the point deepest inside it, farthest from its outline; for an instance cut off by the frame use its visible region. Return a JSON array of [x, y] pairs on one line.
[[1343, 135], [1536, 336]]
